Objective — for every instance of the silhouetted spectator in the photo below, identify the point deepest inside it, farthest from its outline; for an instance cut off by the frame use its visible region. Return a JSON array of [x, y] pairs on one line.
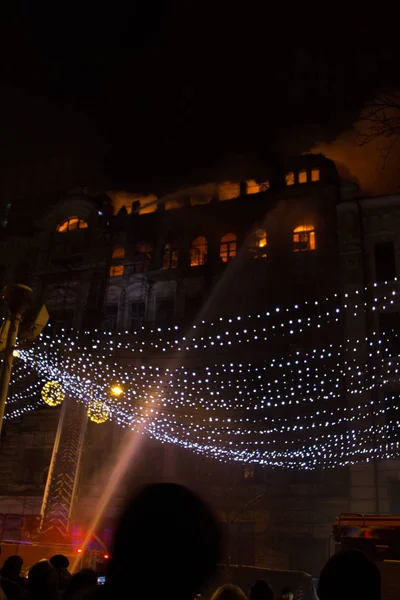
[[166, 546], [61, 564], [11, 589], [12, 570], [229, 592], [287, 593], [81, 582], [261, 590], [43, 582], [2, 594], [348, 575]]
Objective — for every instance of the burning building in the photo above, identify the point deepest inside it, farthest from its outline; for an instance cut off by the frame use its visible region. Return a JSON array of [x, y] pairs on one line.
[[133, 268]]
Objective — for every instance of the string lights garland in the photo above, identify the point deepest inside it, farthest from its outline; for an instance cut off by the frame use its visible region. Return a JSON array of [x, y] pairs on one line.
[[238, 409]]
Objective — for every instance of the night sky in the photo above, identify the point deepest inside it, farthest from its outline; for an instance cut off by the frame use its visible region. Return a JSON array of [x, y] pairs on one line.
[[168, 93]]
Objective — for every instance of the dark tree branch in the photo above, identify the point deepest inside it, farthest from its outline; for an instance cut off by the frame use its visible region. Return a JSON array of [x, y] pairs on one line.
[[380, 120]]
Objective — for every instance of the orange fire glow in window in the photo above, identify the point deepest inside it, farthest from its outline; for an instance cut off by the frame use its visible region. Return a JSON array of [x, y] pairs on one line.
[[304, 238], [71, 224], [290, 178], [228, 245], [315, 175], [198, 252], [259, 244], [303, 176]]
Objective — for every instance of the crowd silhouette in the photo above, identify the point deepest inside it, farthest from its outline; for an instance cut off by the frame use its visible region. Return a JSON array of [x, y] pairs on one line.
[[167, 546]]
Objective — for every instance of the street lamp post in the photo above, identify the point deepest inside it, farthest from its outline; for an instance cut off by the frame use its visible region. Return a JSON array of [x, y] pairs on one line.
[[17, 298]]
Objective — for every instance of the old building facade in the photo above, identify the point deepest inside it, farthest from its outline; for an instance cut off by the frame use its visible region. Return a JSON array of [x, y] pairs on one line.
[[122, 263], [369, 248]]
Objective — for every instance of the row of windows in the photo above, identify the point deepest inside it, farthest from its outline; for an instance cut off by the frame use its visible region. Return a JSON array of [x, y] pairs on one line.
[[302, 176], [227, 191], [303, 240], [141, 259]]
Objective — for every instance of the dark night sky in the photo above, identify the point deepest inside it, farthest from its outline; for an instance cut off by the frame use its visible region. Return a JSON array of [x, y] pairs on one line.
[[170, 92]]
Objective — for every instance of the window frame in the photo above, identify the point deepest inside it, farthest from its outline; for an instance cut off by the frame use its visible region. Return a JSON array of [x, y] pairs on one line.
[[110, 318], [308, 243], [201, 249], [231, 247], [80, 220], [116, 268], [142, 256], [170, 257], [118, 252]]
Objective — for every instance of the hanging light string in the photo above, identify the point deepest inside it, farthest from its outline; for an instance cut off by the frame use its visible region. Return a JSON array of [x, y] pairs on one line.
[[229, 436], [233, 410], [228, 332]]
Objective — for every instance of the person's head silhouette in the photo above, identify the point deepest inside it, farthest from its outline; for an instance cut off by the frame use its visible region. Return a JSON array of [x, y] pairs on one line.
[[12, 567], [229, 592], [347, 575], [261, 590], [59, 561], [167, 544], [42, 581]]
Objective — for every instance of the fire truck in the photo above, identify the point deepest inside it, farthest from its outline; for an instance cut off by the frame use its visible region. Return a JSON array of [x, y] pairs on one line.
[[20, 535], [379, 538]]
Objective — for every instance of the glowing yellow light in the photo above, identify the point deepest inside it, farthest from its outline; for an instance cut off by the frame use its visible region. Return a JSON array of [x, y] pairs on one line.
[[117, 390], [52, 393], [259, 242], [16, 353], [98, 412]]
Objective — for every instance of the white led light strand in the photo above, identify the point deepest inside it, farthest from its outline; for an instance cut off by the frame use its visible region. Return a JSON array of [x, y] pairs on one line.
[[312, 407]]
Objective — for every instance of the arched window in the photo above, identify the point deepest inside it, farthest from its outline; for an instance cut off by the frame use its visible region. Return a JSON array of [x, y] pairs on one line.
[[198, 252], [117, 270], [304, 238], [71, 224], [170, 257], [258, 246], [227, 249]]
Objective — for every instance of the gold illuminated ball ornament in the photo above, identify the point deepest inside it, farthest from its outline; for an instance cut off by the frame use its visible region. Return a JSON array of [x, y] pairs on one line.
[[98, 412], [52, 393]]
